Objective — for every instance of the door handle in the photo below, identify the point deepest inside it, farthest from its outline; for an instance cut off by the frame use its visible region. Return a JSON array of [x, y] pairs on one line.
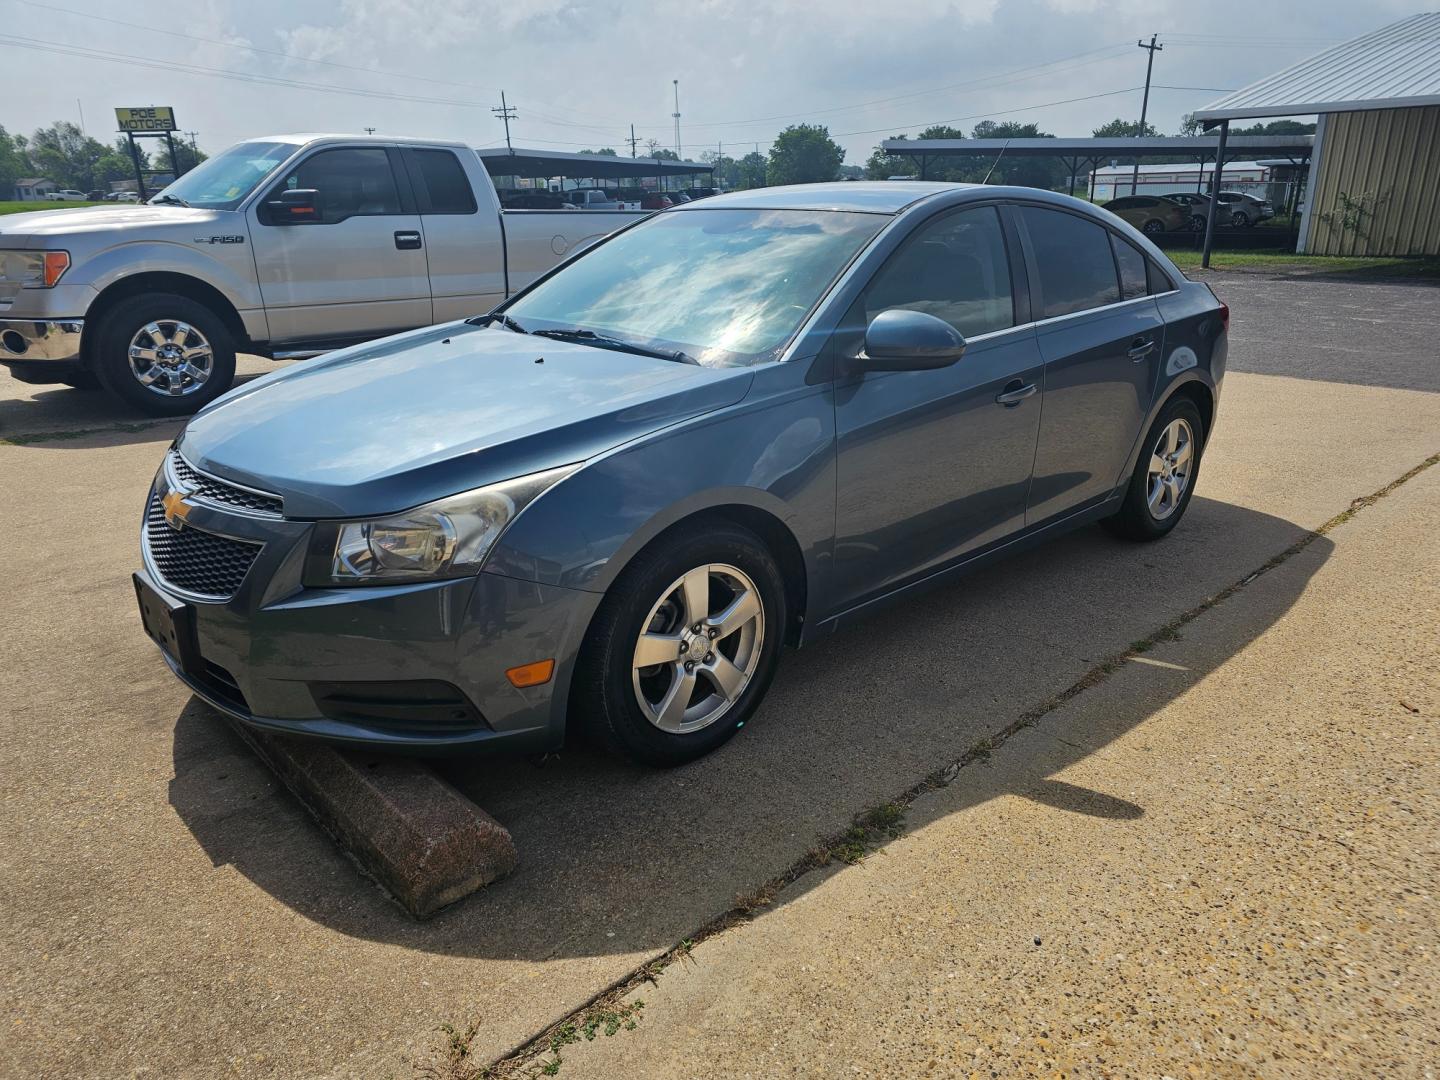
[[1141, 348], [1014, 393], [407, 240]]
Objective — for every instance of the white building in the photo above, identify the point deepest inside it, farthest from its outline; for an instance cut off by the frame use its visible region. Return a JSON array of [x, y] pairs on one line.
[[34, 188], [1251, 177]]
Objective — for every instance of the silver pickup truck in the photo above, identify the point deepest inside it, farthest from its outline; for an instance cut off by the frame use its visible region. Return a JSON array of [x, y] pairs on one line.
[[284, 246]]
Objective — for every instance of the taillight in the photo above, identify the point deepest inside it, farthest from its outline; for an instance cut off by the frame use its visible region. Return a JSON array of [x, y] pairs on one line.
[[1225, 317], [56, 263]]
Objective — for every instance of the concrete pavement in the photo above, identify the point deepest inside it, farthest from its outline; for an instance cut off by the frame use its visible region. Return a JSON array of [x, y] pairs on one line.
[[171, 912], [1220, 861]]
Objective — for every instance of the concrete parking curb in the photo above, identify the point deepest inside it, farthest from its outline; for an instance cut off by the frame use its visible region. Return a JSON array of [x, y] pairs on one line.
[[422, 840]]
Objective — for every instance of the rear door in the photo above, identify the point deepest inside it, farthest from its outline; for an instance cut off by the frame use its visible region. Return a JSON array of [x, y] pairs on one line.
[[357, 268], [1102, 345], [464, 249]]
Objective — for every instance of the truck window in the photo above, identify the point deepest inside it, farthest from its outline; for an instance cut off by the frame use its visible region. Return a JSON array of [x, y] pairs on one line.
[[351, 182], [441, 186]]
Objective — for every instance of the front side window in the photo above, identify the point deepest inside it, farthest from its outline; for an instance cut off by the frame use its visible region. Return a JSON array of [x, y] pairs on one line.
[[728, 288], [223, 181], [955, 268], [348, 182], [1073, 258]]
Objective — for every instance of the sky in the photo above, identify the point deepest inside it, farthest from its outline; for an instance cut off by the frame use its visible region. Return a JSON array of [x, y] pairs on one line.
[[579, 72]]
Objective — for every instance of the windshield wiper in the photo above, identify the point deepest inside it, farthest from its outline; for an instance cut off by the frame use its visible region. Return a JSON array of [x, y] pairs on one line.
[[501, 318], [590, 337], [174, 200]]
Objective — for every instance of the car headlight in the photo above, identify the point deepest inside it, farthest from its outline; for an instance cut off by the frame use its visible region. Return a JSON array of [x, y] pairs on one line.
[[33, 269], [448, 538]]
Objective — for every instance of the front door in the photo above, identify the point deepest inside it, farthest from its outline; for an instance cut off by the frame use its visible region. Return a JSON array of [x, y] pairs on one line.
[[1102, 338], [357, 268], [931, 464]]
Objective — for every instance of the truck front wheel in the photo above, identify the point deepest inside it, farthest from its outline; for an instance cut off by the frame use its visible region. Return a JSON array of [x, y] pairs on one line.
[[165, 354]]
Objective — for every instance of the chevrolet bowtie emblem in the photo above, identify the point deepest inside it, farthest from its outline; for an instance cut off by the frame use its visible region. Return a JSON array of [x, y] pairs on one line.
[[176, 509]]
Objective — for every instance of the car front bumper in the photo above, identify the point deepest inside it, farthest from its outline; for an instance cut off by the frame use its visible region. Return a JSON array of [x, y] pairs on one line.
[[279, 656], [29, 340]]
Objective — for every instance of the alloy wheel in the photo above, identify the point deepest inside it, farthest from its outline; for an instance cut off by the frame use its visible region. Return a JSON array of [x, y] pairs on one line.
[[698, 648], [170, 357], [1171, 460]]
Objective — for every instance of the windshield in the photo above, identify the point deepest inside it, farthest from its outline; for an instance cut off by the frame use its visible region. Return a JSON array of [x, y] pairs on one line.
[[727, 287], [222, 182]]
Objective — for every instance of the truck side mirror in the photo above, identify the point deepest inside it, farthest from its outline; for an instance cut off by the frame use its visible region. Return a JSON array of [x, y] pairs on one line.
[[295, 205]]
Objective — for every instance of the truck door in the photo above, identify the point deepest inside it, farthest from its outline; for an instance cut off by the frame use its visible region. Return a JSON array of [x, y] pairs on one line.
[[355, 268], [463, 245]]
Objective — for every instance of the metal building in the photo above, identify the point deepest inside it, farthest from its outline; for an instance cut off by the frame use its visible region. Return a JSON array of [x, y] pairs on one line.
[[1375, 170]]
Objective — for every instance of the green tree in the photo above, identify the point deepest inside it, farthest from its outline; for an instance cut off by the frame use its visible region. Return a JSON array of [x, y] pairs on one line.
[[186, 158], [66, 155], [726, 168], [1276, 127], [604, 151], [1125, 129], [13, 164], [751, 169], [881, 166], [803, 154]]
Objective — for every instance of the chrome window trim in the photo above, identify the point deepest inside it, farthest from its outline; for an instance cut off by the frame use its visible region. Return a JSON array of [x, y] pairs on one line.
[[1102, 307]]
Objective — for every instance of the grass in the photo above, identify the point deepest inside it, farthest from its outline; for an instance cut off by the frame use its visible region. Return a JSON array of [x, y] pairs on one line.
[[1283, 261], [12, 207]]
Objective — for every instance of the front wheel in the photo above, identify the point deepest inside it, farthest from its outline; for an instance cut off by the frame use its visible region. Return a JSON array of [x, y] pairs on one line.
[[1164, 477], [164, 354], [1239, 220], [683, 647], [1197, 223], [1154, 228]]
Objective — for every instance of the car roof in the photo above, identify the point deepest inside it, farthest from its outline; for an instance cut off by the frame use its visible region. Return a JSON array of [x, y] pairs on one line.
[[875, 197]]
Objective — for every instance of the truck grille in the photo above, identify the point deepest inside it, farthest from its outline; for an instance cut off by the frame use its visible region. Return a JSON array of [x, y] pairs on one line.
[[198, 562], [218, 491]]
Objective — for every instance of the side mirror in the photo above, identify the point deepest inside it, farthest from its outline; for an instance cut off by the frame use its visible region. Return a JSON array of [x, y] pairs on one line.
[[295, 205], [901, 340]]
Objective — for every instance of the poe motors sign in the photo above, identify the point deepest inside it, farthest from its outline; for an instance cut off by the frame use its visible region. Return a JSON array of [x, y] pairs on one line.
[[150, 118]]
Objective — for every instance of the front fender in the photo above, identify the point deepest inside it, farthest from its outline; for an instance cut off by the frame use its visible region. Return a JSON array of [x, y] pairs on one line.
[[229, 268], [773, 452]]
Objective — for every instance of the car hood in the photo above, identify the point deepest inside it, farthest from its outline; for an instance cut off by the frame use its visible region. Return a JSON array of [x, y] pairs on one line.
[[396, 423], [39, 225]]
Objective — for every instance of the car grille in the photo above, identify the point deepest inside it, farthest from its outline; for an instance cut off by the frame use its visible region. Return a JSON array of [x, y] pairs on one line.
[[218, 491], [198, 562]]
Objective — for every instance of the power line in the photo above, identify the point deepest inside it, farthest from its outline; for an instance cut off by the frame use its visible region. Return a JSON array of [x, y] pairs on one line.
[[982, 116]]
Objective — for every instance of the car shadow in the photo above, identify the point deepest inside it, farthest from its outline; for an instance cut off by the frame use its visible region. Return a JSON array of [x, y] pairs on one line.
[[620, 859], [55, 415]]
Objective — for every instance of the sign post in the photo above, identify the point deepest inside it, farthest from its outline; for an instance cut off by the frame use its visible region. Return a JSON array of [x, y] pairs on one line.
[[151, 121]]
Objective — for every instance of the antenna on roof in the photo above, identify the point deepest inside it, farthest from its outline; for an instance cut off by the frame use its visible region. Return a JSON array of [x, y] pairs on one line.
[[996, 161]]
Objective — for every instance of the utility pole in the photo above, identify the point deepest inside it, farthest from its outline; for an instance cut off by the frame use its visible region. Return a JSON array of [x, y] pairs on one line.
[[506, 113], [81, 110], [1145, 101], [676, 115], [369, 131], [632, 140]]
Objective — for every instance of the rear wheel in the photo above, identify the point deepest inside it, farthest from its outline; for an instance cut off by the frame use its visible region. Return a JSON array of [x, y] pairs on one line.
[[1197, 223], [1239, 219], [683, 647], [164, 354], [1153, 227], [1164, 477]]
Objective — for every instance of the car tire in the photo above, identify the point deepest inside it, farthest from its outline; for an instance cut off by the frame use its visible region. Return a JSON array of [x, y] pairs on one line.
[[174, 340], [1153, 227], [1164, 478], [665, 714], [1239, 220], [1197, 223]]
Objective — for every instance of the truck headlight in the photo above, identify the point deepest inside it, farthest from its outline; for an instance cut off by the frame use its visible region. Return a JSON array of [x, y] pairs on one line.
[[448, 538], [33, 269]]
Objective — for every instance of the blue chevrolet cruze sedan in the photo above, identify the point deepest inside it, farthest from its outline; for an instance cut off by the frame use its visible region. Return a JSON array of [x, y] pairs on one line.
[[733, 426]]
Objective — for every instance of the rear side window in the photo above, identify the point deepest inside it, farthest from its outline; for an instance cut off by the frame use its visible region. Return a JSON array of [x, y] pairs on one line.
[[441, 186], [1131, 264], [954, 268], [1073, 257], [1159, 280]]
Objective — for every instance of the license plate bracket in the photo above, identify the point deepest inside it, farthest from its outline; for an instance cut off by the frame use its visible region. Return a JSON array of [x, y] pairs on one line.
[[170, 625]]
